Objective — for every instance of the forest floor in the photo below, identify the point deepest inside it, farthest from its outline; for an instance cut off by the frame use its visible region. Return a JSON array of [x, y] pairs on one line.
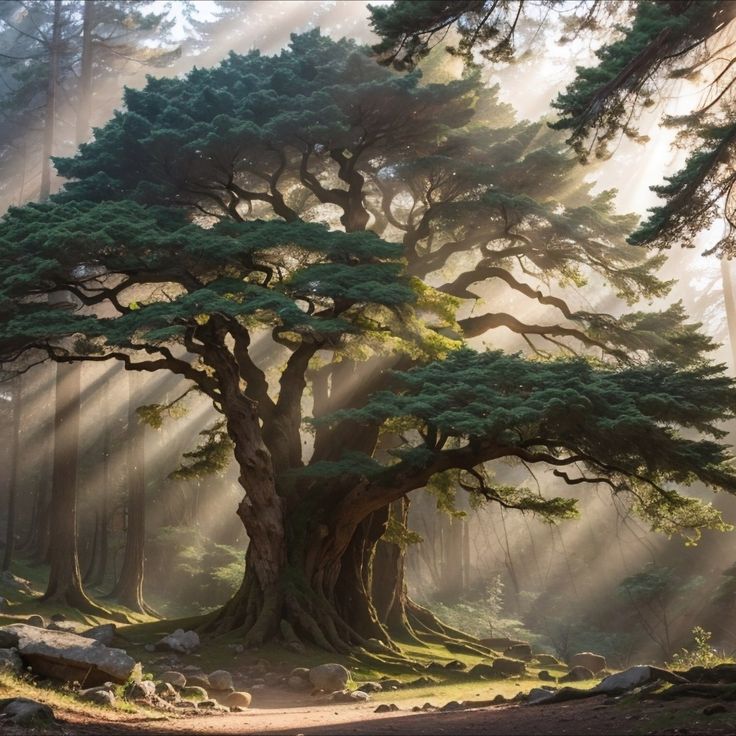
[[680, 718]]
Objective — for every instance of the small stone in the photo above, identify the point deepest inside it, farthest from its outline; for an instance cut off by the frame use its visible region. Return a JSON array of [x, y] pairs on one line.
[[383, 708], [105, 634], [26, 712], [456, 665], [428, 707], [370, 687], [58, 617], [221, 680], [390, 684], [174, 678], [194, 692], [452, 705], [98, 696], [199, 680], [209, 703], [166, 691], [547, 660], [302, 672], [545, 676], [36, 621], [329, 677], [186, 704], [713, 708], [181, 641], [143, 689], [577, 674], [238, 699]]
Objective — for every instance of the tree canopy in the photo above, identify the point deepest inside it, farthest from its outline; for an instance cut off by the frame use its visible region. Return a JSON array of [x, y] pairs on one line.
[[351, 219]]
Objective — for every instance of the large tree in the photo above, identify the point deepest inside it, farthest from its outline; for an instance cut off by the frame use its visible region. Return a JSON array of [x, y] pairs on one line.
[[349, 218]]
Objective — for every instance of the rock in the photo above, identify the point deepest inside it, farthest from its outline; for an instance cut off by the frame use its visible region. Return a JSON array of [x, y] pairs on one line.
[[390, 684], [375, 645], [577, 674], [329, 677], [423, 681], [193, 692], [594, 662], [546, 677], [150, 647], [547, 660], [499, 643], [174, 678], [713, 708], [141, 690], [37, 621], [186, 704], [67, 657], [302, 672], [346, 696], [483, 669], [297, 683], [166, 691], [456, 665], [272, 679], [58, 617], [504, 667], [221, 680], [499, 699], [538, 694], [10, 661], [207, 703], [4, 604], [452, 705], [370, 687], [626, 680], [199, 680], [26, 712], [13, 581], [105, 634], [519, 651], [386, 708], [98, 696], [238, 699], [180, 641], [67, 626]]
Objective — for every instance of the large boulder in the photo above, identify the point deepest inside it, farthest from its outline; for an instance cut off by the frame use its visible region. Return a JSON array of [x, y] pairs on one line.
[[329, 677], [640, 674], [594, 662], [180, 641], [547, 660], [483, 669], [238, 700], [67, 657]]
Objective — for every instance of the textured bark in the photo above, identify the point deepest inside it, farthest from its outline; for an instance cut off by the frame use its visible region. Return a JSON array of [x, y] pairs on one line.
[[65, 584]]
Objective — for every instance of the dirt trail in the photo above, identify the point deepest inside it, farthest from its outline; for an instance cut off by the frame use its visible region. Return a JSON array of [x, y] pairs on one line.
[[581, 718]]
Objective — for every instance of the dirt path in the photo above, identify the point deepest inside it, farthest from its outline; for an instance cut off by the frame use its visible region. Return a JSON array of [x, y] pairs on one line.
[[581, 718]]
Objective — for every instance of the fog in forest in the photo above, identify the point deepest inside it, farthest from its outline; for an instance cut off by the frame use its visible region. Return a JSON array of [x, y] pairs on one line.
[[603, 582]]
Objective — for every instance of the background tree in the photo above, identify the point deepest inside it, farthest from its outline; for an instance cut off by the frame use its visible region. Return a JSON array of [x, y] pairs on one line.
[[177, 257]]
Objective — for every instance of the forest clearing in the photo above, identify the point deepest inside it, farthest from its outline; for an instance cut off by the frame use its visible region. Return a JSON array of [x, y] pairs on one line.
[[367, 367]]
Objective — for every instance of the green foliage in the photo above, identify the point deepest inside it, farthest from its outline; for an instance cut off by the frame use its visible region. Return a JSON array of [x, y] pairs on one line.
[[700, 654], [197, 575], [212, 456], [600, 102]]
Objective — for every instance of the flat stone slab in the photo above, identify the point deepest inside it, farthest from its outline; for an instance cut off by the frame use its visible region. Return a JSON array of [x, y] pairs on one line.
[[69, 657]]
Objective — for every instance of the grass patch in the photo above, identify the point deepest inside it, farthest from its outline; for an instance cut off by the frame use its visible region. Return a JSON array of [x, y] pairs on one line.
[[59, 699]]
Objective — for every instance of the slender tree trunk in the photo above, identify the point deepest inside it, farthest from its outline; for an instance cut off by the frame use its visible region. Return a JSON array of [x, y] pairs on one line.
[[65, 583], [95, 574], [729, 298], [129, 586], [13, 475], [50, 123], [84, 103]]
